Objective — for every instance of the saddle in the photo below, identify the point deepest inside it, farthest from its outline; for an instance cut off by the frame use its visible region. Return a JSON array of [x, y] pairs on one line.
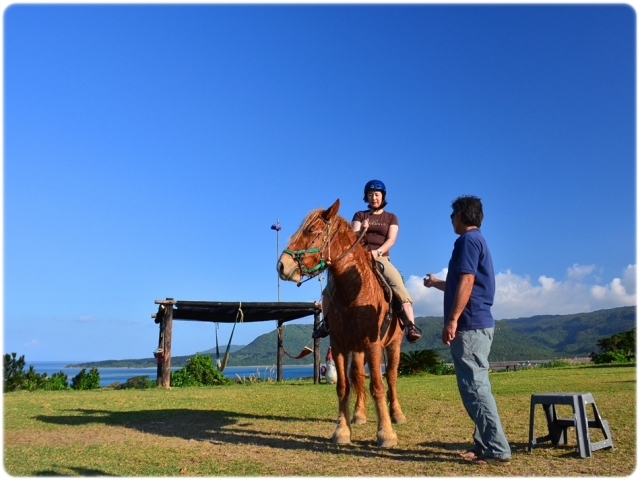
[[394, 303], [378, 268]]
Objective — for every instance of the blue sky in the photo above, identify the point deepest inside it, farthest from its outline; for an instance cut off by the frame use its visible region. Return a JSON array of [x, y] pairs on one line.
[[148, 149]]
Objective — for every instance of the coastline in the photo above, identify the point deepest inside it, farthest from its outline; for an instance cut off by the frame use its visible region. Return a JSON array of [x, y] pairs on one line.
[[79, 365], [109, 375]]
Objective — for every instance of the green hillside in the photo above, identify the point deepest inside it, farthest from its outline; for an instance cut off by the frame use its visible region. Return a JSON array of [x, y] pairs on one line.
[[540, 337], [577, 334]]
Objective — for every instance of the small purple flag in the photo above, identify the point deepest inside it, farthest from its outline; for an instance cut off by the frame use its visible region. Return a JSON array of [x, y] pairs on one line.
[[276, 227]]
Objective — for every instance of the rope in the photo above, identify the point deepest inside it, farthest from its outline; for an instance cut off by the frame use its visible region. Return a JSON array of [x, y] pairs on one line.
[[239, 314], [218, 364]]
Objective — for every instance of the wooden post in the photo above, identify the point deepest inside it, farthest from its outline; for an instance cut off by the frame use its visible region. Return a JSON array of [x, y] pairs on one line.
[[280, 349], [166, 325], [316, 349], [160, 345]]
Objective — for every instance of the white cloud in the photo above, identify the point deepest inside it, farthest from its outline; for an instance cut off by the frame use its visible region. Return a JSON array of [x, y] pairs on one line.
[[578, 272], [517, 296]]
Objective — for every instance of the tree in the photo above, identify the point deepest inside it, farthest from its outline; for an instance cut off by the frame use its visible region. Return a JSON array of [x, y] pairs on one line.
[[617, 348], [624, 342], [13, 372]]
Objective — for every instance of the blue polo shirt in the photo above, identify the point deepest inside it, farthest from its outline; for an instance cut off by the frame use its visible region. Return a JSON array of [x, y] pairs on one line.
[[471, 255]]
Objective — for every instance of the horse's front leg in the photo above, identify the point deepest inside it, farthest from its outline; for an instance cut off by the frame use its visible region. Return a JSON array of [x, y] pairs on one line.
[[357, 375], [386, 435], [342, 433], [391, 372]]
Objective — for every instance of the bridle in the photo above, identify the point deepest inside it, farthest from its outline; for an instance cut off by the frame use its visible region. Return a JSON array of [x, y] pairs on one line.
[[322, 265]]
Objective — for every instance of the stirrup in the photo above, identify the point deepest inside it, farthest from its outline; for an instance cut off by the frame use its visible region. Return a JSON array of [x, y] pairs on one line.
[[320, 332], [413, 333]]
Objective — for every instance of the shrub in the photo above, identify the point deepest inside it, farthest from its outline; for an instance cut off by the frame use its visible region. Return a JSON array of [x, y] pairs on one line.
[[86, 381], [555, 364], [616, 356], [198, 371], [443, 368], [57, 381], [16, 379], [139, 382], [417, 361], [33, 381]]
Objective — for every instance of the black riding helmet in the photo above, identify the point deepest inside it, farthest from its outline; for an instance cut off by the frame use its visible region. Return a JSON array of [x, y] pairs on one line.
[[376, 185]]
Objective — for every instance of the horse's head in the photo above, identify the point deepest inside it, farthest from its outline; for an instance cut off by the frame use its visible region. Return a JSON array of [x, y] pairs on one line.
[[309, 252]]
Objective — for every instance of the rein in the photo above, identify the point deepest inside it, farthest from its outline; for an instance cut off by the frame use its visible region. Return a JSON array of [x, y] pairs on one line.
[[322, 265]]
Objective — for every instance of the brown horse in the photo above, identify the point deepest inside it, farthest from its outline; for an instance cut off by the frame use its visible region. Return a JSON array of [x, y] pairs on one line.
[[355, 304]]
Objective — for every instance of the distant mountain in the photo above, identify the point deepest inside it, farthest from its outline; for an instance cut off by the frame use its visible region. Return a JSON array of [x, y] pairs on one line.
[[176, 361], [540, 337]]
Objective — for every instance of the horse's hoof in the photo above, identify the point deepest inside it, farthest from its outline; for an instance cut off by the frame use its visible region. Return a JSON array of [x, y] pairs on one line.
[[359, 420], [387, 443], [387, 440], [341, 440], [398, 419]]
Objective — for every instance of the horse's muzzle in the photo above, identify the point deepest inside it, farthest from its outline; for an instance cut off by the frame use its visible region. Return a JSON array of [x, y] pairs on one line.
[[288, 269]]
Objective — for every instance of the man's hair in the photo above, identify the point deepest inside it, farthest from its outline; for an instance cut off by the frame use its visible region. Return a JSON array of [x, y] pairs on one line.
[[470, 209]]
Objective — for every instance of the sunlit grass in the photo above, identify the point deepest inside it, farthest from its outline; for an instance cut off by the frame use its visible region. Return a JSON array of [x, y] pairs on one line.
[[270, 429]]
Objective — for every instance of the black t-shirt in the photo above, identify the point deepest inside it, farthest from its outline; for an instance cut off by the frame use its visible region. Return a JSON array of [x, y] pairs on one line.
[[378, 227]]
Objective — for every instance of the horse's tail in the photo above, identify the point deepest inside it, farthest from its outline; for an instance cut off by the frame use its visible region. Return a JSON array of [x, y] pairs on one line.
[[357, 378]]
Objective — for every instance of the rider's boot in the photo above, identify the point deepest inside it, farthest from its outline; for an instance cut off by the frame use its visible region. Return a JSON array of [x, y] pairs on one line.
[[322, 330], [413, 332]]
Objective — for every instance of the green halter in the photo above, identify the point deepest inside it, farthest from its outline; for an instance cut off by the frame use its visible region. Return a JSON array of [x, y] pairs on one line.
[[299, 254]]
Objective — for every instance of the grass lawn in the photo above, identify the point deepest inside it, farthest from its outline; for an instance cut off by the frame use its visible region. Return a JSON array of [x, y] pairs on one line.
[[269, 429]]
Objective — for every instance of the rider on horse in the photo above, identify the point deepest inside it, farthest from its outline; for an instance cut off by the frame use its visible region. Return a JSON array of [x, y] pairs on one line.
[[381, 229]]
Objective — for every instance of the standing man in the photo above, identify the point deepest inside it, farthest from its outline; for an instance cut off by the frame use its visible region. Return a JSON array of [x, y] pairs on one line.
[[468, 328]]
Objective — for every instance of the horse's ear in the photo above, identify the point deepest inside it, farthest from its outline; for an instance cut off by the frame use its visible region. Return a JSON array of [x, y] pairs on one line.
[[330, 212]]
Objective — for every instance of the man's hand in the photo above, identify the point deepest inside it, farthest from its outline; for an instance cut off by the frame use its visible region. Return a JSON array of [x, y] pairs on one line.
[[449, 332], [431, 281]]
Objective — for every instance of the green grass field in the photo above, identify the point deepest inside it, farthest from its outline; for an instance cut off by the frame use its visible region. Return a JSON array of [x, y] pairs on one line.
[[269, 429]]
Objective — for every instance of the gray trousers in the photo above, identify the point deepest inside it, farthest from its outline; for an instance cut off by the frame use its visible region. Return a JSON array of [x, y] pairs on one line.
[[470, 351]]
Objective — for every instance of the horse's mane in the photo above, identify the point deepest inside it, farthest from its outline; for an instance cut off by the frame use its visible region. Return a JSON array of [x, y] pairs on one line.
[[340, 223]]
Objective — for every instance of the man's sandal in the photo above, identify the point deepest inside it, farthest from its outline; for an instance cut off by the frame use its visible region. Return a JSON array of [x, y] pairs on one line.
[[491, 461], [469, 455]]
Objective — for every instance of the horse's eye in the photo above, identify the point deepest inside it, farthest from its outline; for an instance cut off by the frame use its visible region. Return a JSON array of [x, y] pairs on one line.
[[311, 230]]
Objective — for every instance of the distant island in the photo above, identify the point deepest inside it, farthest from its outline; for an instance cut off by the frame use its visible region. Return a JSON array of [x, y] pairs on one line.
[[542, 337]]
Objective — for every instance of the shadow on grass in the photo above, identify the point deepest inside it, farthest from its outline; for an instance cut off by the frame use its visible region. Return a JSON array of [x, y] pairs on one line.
[[81, 472], [233, 428]]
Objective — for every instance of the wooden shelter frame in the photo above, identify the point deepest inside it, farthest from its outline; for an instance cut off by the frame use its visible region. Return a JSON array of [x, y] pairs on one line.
[[229, 312]]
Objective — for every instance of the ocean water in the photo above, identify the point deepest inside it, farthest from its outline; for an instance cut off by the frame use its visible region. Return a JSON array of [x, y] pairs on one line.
[[121, 375]]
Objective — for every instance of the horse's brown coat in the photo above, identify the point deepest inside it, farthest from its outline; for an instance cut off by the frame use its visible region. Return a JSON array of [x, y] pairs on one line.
[[355, 307]]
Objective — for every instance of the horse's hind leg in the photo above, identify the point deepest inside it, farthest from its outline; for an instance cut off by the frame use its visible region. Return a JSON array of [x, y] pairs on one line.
[[393, 360], [357, 376], [342, 433]]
